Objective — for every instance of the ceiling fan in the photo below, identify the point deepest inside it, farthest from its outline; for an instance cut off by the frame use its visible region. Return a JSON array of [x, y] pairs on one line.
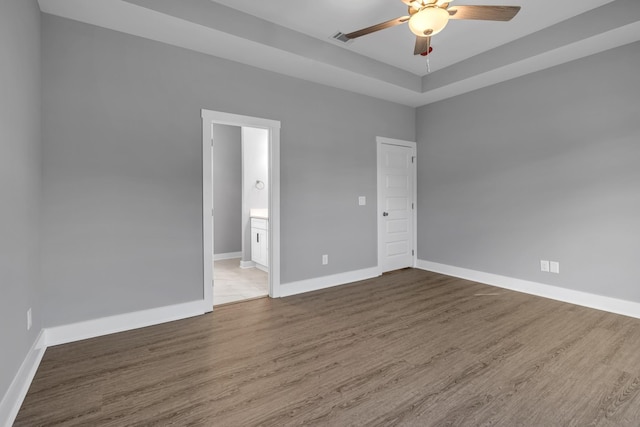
[[428, 17]]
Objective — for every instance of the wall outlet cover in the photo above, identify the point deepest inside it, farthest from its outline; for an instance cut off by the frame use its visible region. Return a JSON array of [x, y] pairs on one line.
[[544, 265], [325, 259]]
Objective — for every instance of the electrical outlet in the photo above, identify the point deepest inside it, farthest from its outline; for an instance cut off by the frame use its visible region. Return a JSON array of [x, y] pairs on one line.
[[554, 267], [29, 320], [544, 265], [325, 259]]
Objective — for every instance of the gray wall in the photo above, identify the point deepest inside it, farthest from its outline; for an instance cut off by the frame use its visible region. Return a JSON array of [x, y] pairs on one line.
[[122, 168], [20, 146], [227, 191], [541, 167]]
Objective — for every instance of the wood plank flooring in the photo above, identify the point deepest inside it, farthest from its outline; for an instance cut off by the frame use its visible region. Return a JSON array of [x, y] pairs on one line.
[[409, 348]]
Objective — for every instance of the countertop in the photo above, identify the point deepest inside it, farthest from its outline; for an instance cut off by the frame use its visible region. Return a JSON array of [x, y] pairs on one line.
[[259, 213]]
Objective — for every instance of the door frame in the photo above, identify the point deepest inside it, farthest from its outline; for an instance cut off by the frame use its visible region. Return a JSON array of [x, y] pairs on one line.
[[210, 117], [380, 140]]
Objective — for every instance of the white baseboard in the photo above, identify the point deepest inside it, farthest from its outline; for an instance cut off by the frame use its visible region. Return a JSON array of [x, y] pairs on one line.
[[299, 287], [262, 268], [599, 302], [228, 255], [17, 391], [123, 322], [247, 264]]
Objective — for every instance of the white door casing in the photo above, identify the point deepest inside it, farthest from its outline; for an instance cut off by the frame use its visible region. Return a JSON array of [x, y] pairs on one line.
[[396, 204], [218, 117]]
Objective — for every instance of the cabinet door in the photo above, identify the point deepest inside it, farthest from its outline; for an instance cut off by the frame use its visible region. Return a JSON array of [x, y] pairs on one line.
[[260, 246], [256, 246]]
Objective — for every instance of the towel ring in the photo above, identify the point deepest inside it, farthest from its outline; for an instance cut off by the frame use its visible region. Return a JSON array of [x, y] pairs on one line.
[[259, 185]]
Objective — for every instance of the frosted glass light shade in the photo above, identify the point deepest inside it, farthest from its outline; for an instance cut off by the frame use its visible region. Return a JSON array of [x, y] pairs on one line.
[[430, 18]]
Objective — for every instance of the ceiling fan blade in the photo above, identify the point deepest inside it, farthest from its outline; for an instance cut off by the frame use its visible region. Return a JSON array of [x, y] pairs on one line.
[[381, 26], [485, 13], [422, 45]]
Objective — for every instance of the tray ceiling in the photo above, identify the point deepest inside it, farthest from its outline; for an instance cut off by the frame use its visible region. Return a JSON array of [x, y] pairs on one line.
[[294, 38]]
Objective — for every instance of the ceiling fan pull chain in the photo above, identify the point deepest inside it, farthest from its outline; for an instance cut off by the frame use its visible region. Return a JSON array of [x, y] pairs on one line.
[[428, 52]]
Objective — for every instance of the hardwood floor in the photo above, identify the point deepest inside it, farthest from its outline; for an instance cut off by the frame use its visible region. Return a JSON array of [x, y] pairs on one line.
[[408, 348]]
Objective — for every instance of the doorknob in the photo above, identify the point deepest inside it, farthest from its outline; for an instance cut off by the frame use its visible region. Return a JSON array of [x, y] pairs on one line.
[[385, 213]]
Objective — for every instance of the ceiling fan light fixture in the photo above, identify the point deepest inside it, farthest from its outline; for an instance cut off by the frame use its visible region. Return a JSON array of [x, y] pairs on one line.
[[429, 21]]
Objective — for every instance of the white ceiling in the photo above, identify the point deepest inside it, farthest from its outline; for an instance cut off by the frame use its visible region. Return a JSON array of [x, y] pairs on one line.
[[394, 46], [294, 38]]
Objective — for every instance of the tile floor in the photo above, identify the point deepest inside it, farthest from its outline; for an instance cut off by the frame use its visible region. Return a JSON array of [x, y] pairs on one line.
[[232, 283]]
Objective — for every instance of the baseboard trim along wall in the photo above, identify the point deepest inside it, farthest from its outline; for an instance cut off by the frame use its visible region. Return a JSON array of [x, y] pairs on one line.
[[315, 284], [247, 264], [122, 322], [17, 391], [228, 255], [599, 302]]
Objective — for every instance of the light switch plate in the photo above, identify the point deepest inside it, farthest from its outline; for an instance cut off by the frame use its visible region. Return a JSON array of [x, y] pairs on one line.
[[362, 200], [554, 267]]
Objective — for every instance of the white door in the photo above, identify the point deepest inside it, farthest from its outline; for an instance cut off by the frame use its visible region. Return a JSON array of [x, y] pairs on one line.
[[396, 204]]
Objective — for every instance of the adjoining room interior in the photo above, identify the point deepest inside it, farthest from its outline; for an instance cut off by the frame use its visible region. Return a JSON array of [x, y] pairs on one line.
[[240, 156], [519, 306], [234, 283]]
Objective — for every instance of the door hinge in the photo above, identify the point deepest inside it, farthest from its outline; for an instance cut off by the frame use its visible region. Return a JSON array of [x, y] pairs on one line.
[[413, 158], [412, 252], [412, 206]]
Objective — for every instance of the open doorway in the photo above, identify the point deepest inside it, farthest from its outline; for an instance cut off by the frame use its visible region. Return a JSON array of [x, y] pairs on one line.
[[241, 215]]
